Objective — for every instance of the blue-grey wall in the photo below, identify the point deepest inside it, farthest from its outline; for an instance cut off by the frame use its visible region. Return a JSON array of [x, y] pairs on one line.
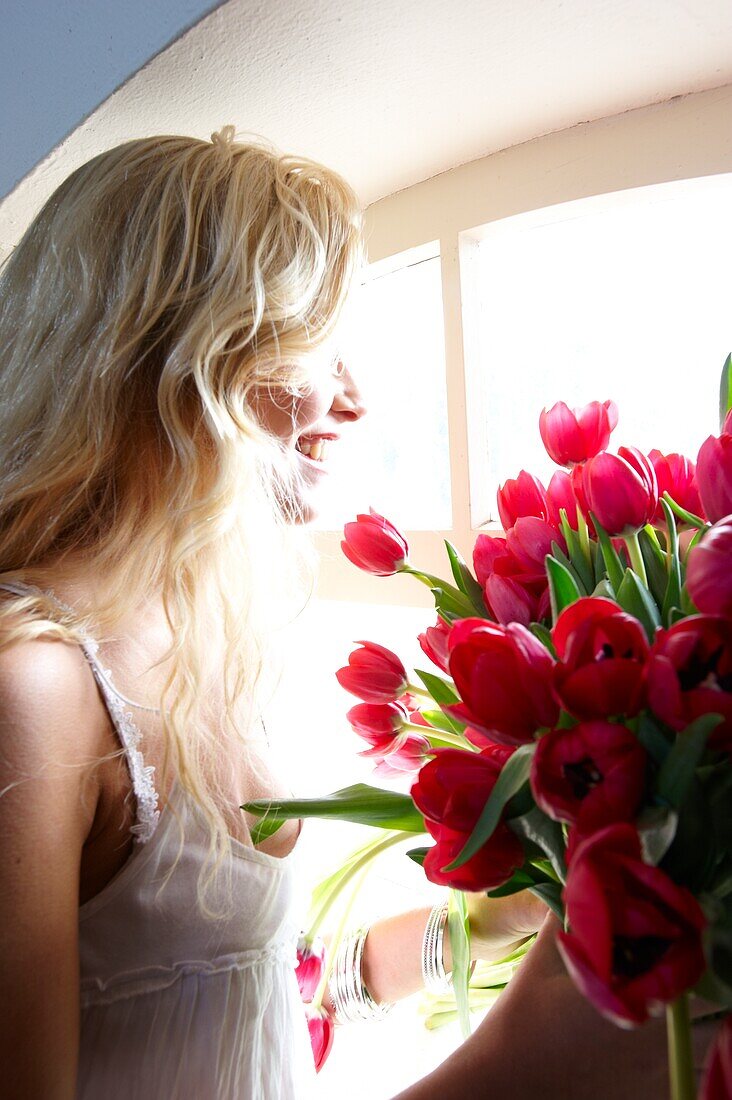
[[59, 59]]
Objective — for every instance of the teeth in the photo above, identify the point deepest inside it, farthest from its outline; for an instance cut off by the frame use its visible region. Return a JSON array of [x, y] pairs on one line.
[[315, 451]]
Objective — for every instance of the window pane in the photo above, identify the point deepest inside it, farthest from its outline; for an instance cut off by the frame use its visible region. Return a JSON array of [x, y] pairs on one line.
[[397, 458], [624, 297]]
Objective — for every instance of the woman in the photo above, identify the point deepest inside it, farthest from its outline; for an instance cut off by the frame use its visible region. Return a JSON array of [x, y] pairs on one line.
[[168, 374]]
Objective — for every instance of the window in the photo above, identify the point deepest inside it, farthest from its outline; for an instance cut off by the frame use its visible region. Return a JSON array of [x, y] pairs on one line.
[[397, 458], [623, 296]]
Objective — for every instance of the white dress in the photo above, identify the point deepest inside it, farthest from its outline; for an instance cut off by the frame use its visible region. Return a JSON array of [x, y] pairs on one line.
[[174, 1005]]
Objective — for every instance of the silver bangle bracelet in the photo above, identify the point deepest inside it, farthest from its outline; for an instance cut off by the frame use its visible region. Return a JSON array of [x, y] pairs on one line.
[[351, 999], [433, 964]]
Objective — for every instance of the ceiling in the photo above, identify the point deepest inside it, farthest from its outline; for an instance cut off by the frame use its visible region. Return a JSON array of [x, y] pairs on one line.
[[393, 93]]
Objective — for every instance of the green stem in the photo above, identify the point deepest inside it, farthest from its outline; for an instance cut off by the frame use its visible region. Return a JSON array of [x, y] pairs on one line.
[[584, 537], [335, 942], [441, 737], [680, 1052], [636, 556], [414, 689], [358, 865]]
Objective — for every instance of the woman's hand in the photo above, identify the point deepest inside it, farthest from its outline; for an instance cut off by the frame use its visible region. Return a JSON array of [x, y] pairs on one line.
[[498, 925]]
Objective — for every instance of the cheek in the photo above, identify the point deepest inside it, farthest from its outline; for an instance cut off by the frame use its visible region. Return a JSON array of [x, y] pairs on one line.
[[314, 406]]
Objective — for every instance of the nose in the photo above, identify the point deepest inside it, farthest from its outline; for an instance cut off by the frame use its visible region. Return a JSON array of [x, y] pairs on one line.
[[348, 402]]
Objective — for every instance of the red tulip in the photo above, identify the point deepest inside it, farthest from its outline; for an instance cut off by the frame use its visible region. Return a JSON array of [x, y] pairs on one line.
[[375, 545], [620, 490], [382, 726], [602, 652], [560, 494], [589, 776], [574, 435], [321, 1026], [515, 591], [374, 674], [717, 1082], [486, 551], [310, 963], [451, 792], [635, 939], [690, 674], [676, 475], [714, 476], [522, 496], [530, 540], [503, 675], [434, 643], [709, 570]]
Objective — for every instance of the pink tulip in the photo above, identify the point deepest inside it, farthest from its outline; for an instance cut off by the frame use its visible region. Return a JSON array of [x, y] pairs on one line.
[[375, 545], [434, 643], [714, 475], [309, 969], [560, 494], [521, 496], [620, 490], [709, 570], [382, 726], [321, 1026], [515, 589], [676, 475], [574, 435], [530, 540], [374, 674]]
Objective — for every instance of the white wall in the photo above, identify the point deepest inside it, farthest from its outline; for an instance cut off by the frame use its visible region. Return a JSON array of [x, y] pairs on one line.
[[59, 59]]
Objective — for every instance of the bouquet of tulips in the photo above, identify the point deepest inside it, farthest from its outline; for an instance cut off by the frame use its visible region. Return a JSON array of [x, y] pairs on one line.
[[574, 735]]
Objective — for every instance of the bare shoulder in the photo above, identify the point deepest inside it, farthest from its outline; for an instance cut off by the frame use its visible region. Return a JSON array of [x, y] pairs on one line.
[[49, 703]]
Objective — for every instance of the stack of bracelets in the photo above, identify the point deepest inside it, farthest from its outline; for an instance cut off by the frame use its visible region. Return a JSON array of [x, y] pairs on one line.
[[352, 1000]]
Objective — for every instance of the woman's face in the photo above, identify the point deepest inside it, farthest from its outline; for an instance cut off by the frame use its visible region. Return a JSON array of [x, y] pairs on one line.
[[309, 426]]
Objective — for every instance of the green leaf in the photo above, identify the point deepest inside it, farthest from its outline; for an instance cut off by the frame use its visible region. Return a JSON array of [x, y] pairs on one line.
[[672, 595], [514, 774], [360, 803], [458, 927], [548, 835], [657, 829], [551, 894], [418, 854], [711, 988], [523, 879], [544, 634], [634, 597], [578, 558], [451, 604], [441, 721], [654, 560], [725, 391], [679, 767], [686, 517], [442, 691], [559, 555], [563, 588], [613, 564], [465, 580], [652, 738]]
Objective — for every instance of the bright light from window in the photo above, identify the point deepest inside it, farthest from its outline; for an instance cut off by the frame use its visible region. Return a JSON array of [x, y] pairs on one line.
[[624, 297], [397, 458]]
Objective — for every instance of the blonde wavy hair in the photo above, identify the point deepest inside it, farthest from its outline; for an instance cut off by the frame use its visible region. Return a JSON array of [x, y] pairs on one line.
[[160, 286]]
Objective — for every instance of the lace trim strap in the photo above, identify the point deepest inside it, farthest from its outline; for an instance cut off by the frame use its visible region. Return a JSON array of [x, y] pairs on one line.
[[141, 774]]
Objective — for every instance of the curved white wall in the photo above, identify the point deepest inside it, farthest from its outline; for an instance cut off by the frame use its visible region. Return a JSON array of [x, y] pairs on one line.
[[59, 59]]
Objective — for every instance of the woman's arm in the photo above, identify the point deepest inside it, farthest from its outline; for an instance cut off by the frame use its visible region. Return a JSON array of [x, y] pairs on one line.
[[49, 724], [542, 1039], [392, 959]]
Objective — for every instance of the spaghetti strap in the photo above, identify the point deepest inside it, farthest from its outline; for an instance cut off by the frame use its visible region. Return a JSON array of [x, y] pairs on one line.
[[130, 736]]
